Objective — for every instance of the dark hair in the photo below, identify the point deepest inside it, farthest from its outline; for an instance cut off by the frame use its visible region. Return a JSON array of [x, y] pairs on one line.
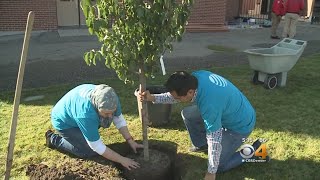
[[181, 82]]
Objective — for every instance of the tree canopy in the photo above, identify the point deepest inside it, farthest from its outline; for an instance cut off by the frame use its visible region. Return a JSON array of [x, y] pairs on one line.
[[134, 33]]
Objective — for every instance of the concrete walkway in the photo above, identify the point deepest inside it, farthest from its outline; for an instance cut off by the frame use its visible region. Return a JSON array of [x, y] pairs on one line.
[[56, 57]]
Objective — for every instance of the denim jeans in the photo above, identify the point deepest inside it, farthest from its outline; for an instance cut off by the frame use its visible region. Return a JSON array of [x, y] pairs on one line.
[[230, 142], [72, 141]]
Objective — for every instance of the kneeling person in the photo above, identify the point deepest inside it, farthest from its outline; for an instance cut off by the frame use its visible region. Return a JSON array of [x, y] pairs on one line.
[[77, 117], [219, 119]]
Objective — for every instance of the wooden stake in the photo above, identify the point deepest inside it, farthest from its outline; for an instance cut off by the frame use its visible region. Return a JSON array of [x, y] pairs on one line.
[[143, 114], [18, 94]]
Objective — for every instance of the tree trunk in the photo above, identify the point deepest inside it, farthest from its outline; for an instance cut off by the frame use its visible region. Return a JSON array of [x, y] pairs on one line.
[[143, 113]]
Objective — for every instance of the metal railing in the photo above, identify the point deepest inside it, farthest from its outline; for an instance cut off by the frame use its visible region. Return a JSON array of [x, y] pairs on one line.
[[315, 17], [259, 10]]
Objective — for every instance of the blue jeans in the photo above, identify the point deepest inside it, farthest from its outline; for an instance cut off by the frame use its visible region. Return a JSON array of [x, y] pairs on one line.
[[230, 142], [72, 141]]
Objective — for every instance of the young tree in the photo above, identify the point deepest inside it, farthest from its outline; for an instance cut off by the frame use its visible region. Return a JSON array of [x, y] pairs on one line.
[[134, 34]]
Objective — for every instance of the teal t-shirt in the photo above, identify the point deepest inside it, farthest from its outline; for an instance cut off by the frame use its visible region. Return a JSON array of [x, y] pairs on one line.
[[75, 109], [221, 104]]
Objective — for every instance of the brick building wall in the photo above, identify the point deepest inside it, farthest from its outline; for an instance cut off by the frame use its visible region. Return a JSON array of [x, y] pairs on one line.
[[207, 15], [232, 9], [14, 13]]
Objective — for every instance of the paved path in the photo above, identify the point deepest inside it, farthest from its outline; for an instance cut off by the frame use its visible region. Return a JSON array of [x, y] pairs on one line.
[[56, 57]]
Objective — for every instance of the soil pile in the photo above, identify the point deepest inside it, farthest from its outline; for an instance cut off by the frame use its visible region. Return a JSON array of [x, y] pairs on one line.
[[77, 170]]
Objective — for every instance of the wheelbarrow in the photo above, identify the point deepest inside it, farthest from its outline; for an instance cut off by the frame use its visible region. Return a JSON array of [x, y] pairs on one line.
[[271, 65]]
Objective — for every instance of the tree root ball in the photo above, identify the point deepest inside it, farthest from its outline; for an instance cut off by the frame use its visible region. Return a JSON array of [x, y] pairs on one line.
[[157, 168]]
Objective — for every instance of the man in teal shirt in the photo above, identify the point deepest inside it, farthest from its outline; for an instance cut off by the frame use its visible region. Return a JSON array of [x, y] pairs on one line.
[[77, 117], [220, 118]]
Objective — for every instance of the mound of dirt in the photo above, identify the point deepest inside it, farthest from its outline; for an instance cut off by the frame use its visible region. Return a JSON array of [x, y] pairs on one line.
[[161, 166], [77, 170]]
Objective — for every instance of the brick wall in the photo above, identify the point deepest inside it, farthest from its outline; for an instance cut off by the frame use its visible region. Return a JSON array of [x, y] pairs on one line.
[[208, 12], [207, 16], [232, 9], [14, 13]]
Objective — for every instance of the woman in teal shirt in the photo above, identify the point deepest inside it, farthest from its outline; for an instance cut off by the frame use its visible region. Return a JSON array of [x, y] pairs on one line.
[[77, 117]]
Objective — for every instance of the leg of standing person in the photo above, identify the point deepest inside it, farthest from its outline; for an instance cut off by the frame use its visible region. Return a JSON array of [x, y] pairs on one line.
[[71, 141], [275, 23], [286, 25], [293, 24], [230, 142], [195, 125]]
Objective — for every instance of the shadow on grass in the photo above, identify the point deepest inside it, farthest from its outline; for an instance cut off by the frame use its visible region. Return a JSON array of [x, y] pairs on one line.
[[193, 167], [189, 166], [275, 169]]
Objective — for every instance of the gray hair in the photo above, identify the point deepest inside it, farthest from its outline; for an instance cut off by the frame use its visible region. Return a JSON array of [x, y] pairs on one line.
[[104, 97]]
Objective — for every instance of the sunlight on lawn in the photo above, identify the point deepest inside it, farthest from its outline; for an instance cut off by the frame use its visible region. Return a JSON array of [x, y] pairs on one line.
[[286, 117]]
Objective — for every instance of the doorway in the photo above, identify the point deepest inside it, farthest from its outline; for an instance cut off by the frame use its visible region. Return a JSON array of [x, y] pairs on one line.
[[69, 13]]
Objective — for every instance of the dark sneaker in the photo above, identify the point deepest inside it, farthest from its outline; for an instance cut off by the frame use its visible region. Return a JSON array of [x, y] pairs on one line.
[[48, 135], [198, 149]]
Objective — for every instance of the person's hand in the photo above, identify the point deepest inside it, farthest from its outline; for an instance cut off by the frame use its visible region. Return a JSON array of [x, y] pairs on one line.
[[135, 145], [144, 96], [129, 163]]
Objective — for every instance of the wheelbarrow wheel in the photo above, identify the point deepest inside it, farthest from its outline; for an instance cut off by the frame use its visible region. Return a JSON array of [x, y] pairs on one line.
[[255, 79], [270, 82]]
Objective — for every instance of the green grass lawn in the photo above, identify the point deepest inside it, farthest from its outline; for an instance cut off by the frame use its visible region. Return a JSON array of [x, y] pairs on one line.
[[287, 117]]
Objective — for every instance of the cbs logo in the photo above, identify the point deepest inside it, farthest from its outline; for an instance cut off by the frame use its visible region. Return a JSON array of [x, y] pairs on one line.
[[247, 151]]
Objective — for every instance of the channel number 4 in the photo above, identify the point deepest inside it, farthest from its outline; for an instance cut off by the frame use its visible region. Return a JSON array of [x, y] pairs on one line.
[[261, 151]]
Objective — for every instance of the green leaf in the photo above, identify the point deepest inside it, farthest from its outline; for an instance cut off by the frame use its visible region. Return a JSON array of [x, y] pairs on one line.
[[107, 62], [87, 59], [97, 56], [90, 30], [100, 24], [85, 7]]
